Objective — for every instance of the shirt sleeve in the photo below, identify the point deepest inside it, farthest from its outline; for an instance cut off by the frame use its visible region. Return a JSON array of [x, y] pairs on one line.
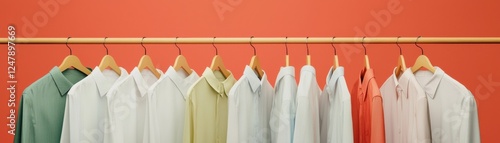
[[25, 121], [189, 121], [377, 121], [232, 126], [469, 129]]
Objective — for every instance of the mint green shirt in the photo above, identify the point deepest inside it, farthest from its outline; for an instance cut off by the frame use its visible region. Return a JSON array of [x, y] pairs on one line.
[[41, 111]]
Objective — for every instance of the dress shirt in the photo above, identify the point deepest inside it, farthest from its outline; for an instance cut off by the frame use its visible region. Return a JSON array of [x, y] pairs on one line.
[[127, 104], [41, 111], [406, 112], [282, 120], [370, 115], [307, 118], [335, 109], [207, 108], [87, 108], [166, 106], [250, 103], [452, 108]]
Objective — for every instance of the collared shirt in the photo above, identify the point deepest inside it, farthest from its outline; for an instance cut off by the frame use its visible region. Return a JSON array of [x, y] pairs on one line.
[[41, 111], [335, 109], [369, 118], [166, 105], [127, 107], [282, 120], [406, 112], [207, 108], [87, 108], [452, 108], [307, 118], [250, 102]]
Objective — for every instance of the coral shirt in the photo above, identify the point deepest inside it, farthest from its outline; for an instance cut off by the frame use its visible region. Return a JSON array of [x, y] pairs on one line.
[[367, 110]]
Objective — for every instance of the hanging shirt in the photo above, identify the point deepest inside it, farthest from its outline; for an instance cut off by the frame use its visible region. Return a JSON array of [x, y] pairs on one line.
[[207, 108], [166, 105], [369, 117], [41, 111], [250, 102], [87, 107], [307, 116], [406, 112], [127, 107], [282, 120], [335, 109], [452, 108]]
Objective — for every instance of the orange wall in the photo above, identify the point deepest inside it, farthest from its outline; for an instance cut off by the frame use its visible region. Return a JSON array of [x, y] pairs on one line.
[[476, 66]]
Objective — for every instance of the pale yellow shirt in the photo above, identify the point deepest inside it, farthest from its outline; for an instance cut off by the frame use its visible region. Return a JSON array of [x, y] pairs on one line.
[[207, 108]]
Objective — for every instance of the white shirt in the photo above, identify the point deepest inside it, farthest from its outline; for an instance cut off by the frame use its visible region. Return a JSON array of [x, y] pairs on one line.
[[127, 107], [452, 108], [307, 116], [250, 103], [335, 109], [282, 120], [406, 113], [166, 105], [86, 107]]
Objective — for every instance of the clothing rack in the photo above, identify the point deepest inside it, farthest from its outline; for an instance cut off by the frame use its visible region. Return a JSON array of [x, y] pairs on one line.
[[261, 40]]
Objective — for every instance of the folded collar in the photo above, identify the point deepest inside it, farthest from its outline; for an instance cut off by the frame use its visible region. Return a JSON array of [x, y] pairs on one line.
[[103, 85], [332, 78], [140, 81], [62, 83], [219, 87], [431, 86], [367, 75], [181, 83], [253, 79]]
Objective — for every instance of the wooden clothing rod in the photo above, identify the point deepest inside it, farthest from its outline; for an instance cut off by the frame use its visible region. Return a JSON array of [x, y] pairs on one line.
[[262, 40]]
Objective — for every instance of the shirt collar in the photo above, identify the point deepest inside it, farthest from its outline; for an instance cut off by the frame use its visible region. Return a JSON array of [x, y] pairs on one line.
[[367, 75], [289, 70], [253, 79], [181, 83], [62, 83], [140, 81], [103, 84], [431, 86], [219, 87], [404, 82], [332, 78]]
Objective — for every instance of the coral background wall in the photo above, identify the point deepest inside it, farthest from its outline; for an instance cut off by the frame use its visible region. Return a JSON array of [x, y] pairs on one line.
[[476, 66]]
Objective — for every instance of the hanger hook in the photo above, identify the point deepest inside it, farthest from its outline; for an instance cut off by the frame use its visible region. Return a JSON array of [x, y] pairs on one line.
[[213, 44], [254, 50], [142, 44], [307, 45], [400, 49], [363, 43], [421, 49], [104, 44], [334, 48], [70, 51], [286, 45], [177, 46]]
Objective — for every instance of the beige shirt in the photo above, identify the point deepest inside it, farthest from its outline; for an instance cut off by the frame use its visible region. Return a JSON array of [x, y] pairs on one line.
[[207, 108]]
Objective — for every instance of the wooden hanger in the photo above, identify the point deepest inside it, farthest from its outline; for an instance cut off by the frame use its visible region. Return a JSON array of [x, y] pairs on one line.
[[335, 57], [367, 60], [218, 64], [255, 63], [72, 61], [146, 62], [181, 62], [109, 62], [422, 61], [308, 56], [401, 61], [287, 58]]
